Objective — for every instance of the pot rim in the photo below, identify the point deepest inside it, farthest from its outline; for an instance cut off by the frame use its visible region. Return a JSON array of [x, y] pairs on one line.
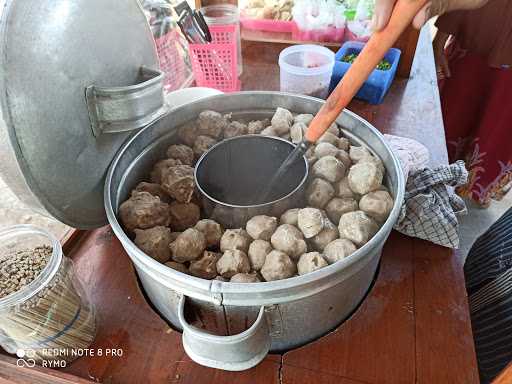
[[211, 289], [223, 142]]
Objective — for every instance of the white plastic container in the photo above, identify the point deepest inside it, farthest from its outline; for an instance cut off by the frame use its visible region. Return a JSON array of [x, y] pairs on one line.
[[306, 70]]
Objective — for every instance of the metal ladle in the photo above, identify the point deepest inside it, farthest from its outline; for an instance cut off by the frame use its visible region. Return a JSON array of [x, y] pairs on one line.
[[372, 53]]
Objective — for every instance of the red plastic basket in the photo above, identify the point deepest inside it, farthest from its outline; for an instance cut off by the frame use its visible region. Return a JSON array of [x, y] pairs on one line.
[[215, 64], [172, 61]]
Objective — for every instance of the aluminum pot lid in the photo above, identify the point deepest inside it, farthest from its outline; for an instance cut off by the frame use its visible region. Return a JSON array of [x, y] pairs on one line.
[[77, 77]]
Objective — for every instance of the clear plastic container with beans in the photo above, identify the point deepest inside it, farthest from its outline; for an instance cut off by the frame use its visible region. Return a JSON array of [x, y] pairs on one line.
[[43, 307]]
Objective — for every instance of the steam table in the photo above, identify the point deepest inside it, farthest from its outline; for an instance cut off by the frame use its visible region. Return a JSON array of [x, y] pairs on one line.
[[413, 327]]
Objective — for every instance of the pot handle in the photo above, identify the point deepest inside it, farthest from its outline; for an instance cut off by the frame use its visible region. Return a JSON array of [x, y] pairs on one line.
[[231, 353], [121, 109]]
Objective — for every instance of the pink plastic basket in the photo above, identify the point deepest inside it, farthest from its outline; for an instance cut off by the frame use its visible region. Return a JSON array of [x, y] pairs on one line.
[[267, 25], [172, 63], [215, 64], [331, 34]]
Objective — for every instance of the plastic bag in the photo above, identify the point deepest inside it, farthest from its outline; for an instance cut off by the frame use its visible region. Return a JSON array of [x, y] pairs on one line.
[[360, 26], [267, 9], [172, 47], [312, 15]]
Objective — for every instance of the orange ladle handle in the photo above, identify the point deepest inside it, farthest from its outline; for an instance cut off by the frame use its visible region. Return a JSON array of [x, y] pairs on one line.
[[373, 52]]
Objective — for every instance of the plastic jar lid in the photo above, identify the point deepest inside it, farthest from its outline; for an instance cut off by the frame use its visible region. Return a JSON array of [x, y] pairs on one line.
[[221, 14], [33, 236], [320, 57]]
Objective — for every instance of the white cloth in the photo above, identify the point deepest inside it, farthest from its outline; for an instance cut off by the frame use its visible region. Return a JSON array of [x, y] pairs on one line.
[[412, 154]]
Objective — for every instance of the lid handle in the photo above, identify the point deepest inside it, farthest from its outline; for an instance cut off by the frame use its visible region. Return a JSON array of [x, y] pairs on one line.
[[121, 109]]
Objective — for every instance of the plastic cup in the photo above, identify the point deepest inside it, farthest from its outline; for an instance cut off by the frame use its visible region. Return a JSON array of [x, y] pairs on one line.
[[306, 69]]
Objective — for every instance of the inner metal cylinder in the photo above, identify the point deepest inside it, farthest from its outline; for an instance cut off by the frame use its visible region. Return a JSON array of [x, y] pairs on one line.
[[232, 177]]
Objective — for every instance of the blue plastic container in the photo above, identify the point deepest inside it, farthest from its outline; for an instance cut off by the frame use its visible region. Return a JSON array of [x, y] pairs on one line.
[[374, 89]]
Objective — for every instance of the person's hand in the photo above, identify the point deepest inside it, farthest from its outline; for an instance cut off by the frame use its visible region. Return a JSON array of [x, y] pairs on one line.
[[383, 9]]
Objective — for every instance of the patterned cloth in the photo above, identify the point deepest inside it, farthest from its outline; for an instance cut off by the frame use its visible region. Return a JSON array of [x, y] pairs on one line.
[[430, 207], [488, 273], [477, 116]]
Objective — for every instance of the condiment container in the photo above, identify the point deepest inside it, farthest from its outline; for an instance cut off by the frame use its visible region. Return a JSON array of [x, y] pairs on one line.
[[50, 318], [306, 69], [377, 85], [225, 14]]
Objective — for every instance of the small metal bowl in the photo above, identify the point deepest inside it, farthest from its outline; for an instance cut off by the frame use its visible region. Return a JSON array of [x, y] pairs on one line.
[[232, 175]]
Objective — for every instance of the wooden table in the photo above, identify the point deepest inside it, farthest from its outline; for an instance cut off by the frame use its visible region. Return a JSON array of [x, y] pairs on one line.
[[413, 327]]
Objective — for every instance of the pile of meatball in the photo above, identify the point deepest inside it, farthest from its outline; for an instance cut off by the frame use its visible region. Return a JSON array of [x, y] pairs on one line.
[[345, 205]]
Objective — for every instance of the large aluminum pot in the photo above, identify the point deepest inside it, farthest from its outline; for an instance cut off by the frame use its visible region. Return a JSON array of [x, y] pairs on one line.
[[287, 313]]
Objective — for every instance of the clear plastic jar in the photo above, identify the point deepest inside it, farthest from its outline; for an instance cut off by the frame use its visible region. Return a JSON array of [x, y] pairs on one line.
[[50, 318], [306, 70], [225, 14]]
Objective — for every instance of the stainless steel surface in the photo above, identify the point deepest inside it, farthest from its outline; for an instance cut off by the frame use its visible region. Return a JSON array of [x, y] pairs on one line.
[[303, 307], [121, 109], [233, 353], [232, 175], [50, 53]]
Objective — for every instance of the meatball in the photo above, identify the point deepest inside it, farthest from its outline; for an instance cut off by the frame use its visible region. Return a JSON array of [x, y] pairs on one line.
[[144, 211], [235, 239], [310, 262], [282, 121], [178, 182], [261, 227], [154, 189], [206, 266], [154, 242], [319, 193], [310, 222], [203, 144], [258, 251], [357, 227], [184, 215], [233, 262], [188, 246], [338, 250], [289, 239], [328, 168], [278, 266], [160, 167], [377, 204], [212, 124], [338, 207], [365, 177], [211, 230], [245, 278], [181, 152]]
